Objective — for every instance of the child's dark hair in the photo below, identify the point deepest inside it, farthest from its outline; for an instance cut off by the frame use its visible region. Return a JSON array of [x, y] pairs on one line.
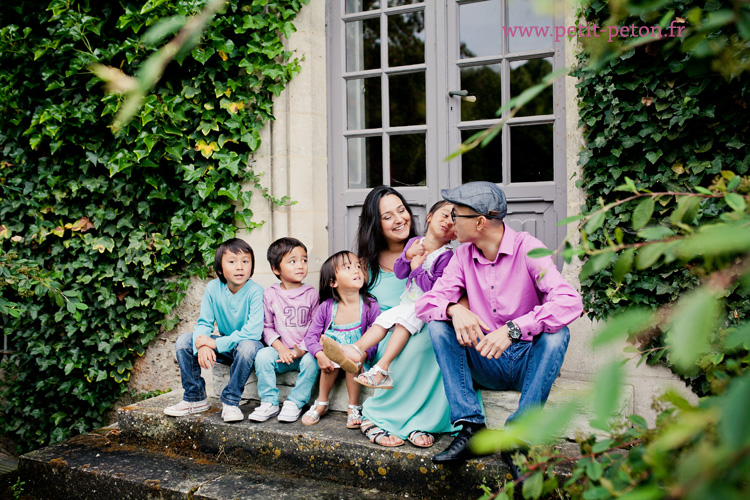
[[279, 249], [328, 275], [434, 208], [234, 245]]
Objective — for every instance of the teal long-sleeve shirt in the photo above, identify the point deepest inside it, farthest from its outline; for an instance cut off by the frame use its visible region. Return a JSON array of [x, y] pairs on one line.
[[238, 316]]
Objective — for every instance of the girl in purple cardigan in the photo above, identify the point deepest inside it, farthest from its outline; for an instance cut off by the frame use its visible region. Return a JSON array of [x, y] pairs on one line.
[[346, 310], [422, 262]]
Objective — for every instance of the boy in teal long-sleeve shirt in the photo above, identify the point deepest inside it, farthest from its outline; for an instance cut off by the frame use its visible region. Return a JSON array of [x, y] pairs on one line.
[[235, 303]]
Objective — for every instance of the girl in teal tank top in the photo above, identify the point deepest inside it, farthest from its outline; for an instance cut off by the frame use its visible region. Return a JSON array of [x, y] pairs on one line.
[[345, 311]]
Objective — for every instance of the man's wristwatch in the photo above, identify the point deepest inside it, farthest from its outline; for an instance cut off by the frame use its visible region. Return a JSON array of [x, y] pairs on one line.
[[513, 331]]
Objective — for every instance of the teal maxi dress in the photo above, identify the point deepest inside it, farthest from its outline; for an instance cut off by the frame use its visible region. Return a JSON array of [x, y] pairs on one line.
[[417, 401]]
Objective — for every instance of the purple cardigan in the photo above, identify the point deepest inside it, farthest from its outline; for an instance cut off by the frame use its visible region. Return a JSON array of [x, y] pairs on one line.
[[425, 279], [323, 317]]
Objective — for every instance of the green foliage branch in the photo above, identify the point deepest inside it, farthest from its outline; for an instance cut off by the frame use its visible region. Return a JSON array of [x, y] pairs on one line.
[[118, 221]]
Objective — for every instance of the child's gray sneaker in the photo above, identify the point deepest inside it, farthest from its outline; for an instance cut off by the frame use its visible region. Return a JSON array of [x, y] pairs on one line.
[[289, 412], [186, 408], [263, 412], [231, 413]]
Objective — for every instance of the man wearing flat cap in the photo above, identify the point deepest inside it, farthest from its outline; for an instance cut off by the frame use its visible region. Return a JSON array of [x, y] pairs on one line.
[[513, 335]]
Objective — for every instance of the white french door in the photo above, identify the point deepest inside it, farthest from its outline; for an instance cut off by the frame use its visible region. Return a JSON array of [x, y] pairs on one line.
[[409, 81]]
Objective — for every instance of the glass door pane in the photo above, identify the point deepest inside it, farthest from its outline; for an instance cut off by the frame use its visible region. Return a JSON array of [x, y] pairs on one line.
[[479, 28]]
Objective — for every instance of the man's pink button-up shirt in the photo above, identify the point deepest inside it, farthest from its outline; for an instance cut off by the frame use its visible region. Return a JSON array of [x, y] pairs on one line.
[[530, 292]]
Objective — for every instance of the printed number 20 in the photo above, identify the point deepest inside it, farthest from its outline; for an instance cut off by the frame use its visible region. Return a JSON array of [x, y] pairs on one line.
[[296, 316]]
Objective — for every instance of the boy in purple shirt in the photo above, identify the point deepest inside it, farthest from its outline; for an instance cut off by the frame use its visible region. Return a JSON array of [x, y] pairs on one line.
[[288, 308], [513, 335]]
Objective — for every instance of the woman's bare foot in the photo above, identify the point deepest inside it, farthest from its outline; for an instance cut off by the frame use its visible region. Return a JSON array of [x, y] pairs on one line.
[[379, 436], [421, 439]]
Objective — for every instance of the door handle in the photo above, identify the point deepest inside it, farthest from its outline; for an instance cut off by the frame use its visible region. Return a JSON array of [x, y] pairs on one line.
[[463, 94]]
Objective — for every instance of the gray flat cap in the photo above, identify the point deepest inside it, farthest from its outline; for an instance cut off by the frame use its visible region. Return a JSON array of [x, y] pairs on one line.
[[484, 197]]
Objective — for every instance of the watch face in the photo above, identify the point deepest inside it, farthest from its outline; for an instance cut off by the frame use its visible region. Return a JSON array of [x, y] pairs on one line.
[[513, 331]]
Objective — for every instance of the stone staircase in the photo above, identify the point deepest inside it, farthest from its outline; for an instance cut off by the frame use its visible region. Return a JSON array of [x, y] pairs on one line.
[[150, 455], [498, 406]]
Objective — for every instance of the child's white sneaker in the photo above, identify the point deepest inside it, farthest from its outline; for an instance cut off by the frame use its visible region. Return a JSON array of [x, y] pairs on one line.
[[289, 412], [263, 412], [186, 408], [231, 413]]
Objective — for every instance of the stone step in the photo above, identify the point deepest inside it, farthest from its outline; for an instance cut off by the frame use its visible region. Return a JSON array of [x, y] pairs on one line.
[[326, 451], [95, 467], [498, 405]]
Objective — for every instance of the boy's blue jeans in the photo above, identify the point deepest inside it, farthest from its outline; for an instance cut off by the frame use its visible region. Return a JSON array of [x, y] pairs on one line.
[[266, 369], [529, 367], [240, 361]]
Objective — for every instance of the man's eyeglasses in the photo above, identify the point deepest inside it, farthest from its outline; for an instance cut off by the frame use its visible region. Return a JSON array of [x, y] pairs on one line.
[[454, 215]]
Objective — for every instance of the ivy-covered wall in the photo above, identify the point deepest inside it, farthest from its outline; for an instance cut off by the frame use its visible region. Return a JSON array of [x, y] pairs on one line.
[[671, 123], [120, 220]]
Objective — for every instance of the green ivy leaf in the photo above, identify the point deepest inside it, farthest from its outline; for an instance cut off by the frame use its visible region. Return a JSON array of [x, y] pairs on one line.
[[735, 201], [656, 233], [738, 337], [623, 325], [695, 317], [602, 446], [628, 186], [642, 213], [623, 265], [539, 252], [648, 255], [653, 156], [532, 487], [568, 220], [715, 239], [594, 470], [607, 390], [644, 492], [596, 221], [596, 263], [203, 54]]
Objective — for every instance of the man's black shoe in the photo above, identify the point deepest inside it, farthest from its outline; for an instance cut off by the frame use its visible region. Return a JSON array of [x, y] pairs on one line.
[[507, 457], [459, 450]]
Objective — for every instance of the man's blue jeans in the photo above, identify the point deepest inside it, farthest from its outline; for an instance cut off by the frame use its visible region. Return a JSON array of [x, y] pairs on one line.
[[266, 369], [240, 361], [529, 367]]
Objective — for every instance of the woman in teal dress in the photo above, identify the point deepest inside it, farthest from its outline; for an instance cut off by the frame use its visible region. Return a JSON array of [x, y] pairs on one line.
[[416, 407]]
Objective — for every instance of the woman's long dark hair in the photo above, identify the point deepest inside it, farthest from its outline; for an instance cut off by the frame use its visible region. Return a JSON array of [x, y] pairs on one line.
[[328, 275], [370, 239]]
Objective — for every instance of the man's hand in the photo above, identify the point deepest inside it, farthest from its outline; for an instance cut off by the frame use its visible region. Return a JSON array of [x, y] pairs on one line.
[[495, 343], [203, 340], [206, 357], [325, 364], [468, 325]]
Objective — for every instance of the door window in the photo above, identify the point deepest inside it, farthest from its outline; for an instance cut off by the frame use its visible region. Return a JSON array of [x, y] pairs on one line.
[[386, 104]]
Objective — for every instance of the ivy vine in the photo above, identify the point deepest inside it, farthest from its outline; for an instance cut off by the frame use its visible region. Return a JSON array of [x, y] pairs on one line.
[[671, 121], [119, 220]]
